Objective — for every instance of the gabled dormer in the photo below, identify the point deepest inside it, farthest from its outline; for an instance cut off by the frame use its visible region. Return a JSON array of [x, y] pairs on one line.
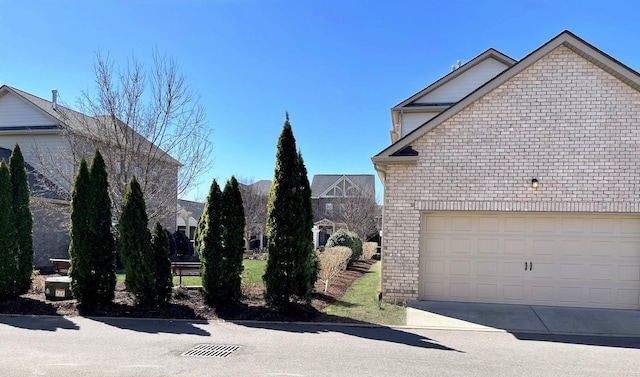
[[439, 96], [342, 186]]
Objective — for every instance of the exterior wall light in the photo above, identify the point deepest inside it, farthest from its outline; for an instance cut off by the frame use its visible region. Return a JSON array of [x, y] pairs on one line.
[[534, 183]]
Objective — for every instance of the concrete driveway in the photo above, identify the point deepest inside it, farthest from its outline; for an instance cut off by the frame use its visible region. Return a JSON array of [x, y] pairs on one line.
[[523, 318]]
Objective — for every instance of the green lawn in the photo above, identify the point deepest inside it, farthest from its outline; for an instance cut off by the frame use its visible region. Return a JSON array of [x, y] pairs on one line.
[[253, 271], [360, 302]]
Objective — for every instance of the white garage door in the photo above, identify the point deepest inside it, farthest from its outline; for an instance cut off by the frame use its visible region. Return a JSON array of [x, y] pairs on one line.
[[580, 260]]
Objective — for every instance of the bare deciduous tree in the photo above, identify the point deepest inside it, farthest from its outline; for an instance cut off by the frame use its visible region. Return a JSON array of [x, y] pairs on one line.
[[254, 200], [145, 122], [358, 212]]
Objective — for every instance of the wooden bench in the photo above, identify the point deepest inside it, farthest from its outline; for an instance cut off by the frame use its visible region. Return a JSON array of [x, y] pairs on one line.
[[60, 266], [181, 269]]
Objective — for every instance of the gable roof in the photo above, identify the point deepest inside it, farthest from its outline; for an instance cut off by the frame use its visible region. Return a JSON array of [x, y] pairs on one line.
[[321, 183], [73, 120], [489, 54], [625, 74], [195, 208]]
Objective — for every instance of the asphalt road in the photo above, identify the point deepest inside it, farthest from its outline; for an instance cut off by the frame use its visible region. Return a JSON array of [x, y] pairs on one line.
[[57, 346]]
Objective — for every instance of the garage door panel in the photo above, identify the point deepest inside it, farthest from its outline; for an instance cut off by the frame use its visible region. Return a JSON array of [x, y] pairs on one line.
[[541, 270], [544, 225], [570, 294], [489, 246], [513, 292], [436, 267], [601, 272], [603, 226], [542, 294], [572, 225], [461, 224], [600, 296], [629, 273], [543, 247], [577, 260], [487, 291], [601, 248], [570, 271], [513, 269], [459, 290], [487, 269], [628, 248], [515, 225], [460, 268], [572, 247], [460, 246], [515, 246], [629, 227], [629, 297], [489, 224]]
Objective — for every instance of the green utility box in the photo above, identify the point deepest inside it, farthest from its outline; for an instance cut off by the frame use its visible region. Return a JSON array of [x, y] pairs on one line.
[[58, 288]]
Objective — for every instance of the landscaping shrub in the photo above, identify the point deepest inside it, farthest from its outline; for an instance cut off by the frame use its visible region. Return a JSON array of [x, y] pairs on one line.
[[22, 218], [8, 244], [351, 240], [183, 244], [92, 247], [173, 248], [290, 241], [163, 275], [332, 261], [369, 249], [210, 244], [135, 246]]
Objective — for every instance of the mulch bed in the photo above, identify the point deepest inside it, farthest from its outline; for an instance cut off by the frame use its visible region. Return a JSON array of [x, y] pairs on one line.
[[188, 304]]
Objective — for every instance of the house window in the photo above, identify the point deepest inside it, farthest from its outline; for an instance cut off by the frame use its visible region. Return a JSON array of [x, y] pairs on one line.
[[328, 209], [192, 232], [182, 229]]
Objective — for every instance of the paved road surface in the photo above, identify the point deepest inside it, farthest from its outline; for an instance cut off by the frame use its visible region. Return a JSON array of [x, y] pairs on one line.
[[56, 346]]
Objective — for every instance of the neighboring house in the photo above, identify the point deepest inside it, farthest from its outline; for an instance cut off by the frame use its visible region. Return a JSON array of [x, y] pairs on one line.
[[45, 131], [187, 218], [255, 197], [341, 201], [517, 182]]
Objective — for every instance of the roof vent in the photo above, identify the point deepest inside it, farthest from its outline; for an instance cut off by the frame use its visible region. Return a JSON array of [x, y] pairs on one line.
[[54, 99]]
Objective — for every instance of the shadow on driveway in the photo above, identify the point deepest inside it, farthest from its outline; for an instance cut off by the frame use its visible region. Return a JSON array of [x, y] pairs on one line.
[[587, 326], [365, 331], [43, 323], [155, 326]]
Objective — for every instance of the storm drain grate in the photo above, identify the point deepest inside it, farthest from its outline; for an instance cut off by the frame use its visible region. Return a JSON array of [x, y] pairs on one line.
[[211, 350]]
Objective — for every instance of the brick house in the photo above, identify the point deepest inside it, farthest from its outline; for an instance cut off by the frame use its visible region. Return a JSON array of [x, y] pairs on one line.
[[517, 182], [336, 200]]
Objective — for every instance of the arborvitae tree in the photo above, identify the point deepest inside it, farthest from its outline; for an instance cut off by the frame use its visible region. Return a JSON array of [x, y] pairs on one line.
[[81, 247], [161, 251], [135, 246], [210, 247], [8, 242], [232, 240], [103, 245], [307, 253], [288, 272], [22, 218]]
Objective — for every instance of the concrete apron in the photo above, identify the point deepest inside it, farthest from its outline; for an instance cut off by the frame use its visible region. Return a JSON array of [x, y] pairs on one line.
[[522, 318]]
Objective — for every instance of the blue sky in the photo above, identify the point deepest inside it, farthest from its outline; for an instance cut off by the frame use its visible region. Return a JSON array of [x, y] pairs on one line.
[[337, 66]]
